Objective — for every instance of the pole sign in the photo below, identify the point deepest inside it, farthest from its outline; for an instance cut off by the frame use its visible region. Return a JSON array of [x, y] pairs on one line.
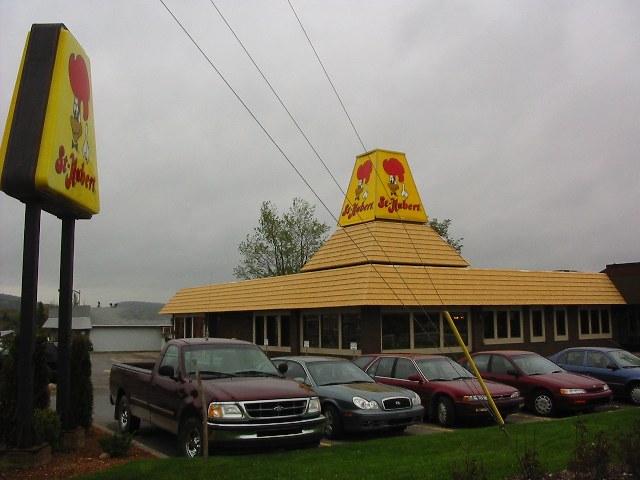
[[48, 152], [382, 187]]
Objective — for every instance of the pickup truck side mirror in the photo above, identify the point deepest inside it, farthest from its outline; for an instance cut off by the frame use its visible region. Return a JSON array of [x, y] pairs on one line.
[[283, 368], [415, 378], [166, 371]]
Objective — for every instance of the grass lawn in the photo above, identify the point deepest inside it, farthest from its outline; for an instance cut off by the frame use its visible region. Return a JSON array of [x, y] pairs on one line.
[[411, 457]]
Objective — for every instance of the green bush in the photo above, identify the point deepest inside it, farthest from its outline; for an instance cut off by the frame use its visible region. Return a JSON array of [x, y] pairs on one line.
[[81, 388], [116, 445], [9, 386], [48, 427]]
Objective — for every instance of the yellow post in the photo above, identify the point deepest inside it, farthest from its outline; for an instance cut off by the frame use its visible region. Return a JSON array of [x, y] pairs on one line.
[[475, 369]]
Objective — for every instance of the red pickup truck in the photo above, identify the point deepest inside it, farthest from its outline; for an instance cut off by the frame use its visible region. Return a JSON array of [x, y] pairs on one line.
[[248, 401]]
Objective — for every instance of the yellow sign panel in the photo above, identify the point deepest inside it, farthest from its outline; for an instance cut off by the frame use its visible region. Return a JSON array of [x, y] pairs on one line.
[[67, 165], [382, 187]]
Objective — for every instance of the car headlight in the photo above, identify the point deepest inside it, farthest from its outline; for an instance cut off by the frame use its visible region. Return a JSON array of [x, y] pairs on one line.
[[224, 410], [416, 400], [472, 398], [314, 405], [515, 394], [572, 391], [365, 404], [605, 387]]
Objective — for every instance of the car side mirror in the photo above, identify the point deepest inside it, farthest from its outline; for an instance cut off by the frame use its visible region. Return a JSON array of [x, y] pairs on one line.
[[513, 373], [612, 366], [283, 368], [167, 371], [415, 378]]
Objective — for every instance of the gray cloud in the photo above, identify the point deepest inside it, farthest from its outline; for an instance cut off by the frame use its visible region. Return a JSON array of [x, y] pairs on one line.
[[520, 121]]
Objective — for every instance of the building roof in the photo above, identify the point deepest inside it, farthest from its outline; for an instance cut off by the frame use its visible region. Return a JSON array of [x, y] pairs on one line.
[[398, 285], [385, 242]]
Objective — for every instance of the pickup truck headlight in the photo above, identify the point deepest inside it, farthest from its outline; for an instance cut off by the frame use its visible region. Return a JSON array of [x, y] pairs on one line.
[[572, 391], [416, 400], [314, 405], [224, 410], [365, 404]]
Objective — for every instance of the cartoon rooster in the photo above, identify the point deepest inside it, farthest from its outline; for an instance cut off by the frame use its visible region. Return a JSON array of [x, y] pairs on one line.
[[364, 174], [394, 169], [81, 87]]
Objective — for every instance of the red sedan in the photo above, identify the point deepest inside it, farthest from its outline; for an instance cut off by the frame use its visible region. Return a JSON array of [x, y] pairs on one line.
[[546, 387], [447, 390]]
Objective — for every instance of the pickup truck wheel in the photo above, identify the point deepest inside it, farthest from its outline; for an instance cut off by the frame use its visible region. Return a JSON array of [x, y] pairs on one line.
[[127, 423], [333, 425], [190, 438]]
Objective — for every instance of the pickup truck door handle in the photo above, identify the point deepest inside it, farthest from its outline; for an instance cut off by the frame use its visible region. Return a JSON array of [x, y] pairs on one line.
[[182, 394]]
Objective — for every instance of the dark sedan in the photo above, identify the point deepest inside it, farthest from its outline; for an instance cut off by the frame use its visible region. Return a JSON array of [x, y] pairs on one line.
[[619, 368], [448, 390], [546, 387], [351, 401]]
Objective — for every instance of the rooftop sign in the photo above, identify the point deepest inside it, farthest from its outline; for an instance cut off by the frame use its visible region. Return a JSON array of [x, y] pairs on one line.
[[48, 149], [382, 187]]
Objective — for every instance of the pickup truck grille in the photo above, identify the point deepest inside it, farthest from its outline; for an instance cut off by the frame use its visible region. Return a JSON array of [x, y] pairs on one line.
[[396, 403], [275, 408]]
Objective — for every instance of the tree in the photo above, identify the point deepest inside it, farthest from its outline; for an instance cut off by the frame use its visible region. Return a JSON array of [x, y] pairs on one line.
[[281, 245], [442, 228]]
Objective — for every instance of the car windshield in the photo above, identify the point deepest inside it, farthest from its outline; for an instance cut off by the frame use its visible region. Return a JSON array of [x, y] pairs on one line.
[[228, 360], [442, 369], [625, 359], [534, 364], [336, 373]]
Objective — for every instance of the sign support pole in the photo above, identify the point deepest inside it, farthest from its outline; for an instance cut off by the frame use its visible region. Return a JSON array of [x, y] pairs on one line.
[[63, 395], [30, 257]]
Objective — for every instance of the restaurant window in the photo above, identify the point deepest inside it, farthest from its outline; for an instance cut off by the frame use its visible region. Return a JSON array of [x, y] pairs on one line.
[[426, 330], [537, 325], [560, 324], [395, 331], [333, 331], [272, 328], [350, 330], [595, 323], [423, 330], [502, 325], [461, 321]]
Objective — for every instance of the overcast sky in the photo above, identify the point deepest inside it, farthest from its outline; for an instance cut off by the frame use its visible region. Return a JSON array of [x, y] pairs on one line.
[[520, 121]]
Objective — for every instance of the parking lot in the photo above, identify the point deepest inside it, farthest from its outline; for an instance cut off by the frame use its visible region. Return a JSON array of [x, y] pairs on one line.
[[165, 443]]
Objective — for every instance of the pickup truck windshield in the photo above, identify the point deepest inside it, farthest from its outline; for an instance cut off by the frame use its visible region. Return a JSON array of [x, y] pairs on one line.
[[229, 360]]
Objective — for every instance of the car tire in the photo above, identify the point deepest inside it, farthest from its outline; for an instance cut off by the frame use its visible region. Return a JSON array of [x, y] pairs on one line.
[[542, 403], [634, 393], [190, 438], [445, 412], [127, 423], [333, 427]]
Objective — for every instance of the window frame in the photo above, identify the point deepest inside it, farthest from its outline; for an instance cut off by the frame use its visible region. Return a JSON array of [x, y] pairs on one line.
[[494, 311], [350, 312], [278, 316], [441, 333], [537, 338], [556, 335], [600, 322]]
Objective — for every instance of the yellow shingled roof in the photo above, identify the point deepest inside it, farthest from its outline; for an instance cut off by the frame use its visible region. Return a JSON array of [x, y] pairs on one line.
[[398, 285], [385, 242]]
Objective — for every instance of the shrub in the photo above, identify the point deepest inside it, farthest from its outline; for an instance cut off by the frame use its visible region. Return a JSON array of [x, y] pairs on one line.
[[591, 455], [472, 470], [81, 391], [530, 467], [48, 427], [629, 448], [116, 445]]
